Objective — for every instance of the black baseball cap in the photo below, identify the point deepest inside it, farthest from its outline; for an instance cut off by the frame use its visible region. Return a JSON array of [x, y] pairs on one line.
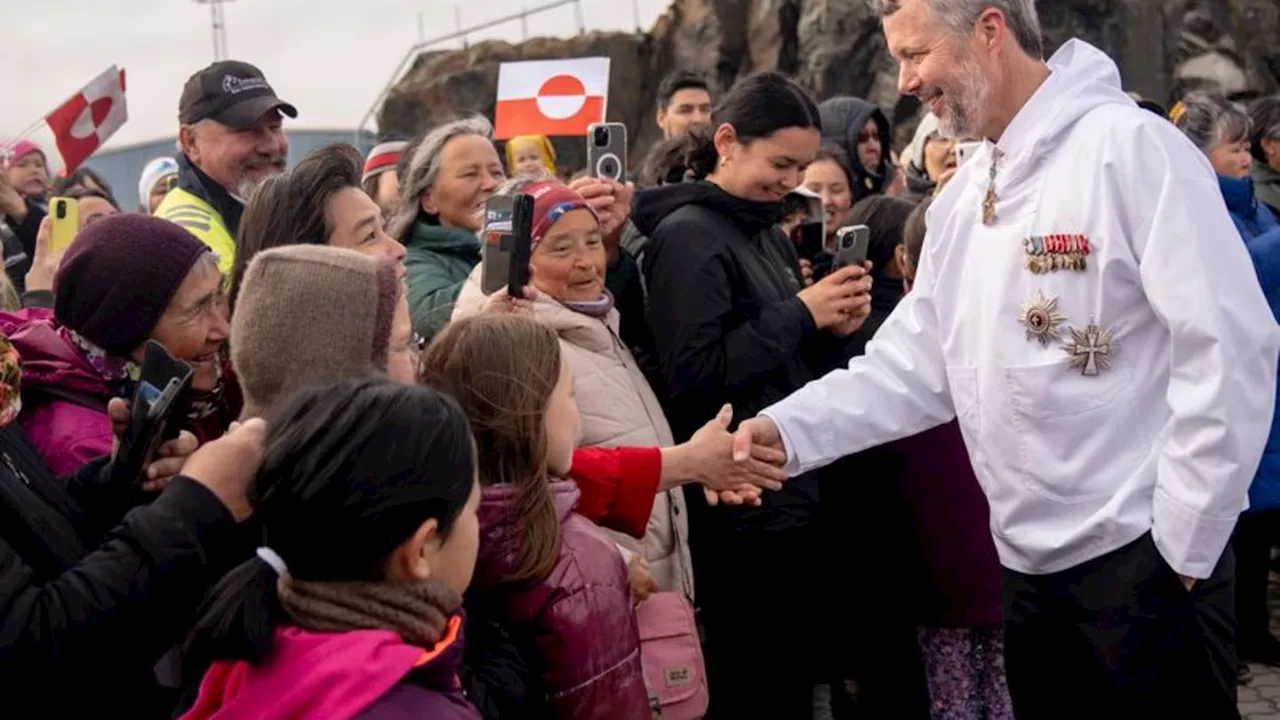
[[232, 93]]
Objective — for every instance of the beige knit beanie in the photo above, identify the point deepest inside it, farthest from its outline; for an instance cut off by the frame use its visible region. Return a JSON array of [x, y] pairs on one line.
[[310, 315]]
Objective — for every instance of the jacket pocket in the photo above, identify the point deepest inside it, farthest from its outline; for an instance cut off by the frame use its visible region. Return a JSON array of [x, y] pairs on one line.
[[1058, 421], [963, 381]]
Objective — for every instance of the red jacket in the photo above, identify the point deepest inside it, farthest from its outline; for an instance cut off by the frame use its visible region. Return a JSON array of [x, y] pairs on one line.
[[618, 486]]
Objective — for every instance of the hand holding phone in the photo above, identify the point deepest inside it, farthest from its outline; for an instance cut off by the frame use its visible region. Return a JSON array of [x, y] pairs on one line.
[[607, 151], [508, 236], [162, 379], [852, 245], [65, 224]]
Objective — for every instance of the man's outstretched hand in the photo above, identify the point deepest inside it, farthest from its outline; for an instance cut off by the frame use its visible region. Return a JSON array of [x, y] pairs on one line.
[[755, 434]]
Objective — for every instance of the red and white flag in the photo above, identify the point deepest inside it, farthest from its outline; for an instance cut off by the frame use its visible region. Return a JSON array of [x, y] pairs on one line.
[[84, 122], [551, 97]]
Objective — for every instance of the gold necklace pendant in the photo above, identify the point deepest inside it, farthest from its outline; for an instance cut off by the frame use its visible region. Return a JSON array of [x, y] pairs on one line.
[[990, 198]]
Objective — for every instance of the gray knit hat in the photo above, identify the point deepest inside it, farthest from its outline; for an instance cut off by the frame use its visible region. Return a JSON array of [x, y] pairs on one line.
[[310, 315]]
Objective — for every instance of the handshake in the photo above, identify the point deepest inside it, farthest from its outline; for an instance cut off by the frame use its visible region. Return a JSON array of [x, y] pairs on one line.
[[733, 468]]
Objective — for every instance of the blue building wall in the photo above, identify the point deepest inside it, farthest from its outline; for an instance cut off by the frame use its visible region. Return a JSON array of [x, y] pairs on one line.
[[123, 166]]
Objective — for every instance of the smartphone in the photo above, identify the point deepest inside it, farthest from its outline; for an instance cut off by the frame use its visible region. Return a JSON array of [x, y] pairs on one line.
[[161, 381], [852, 243], [508, 236], [808, 237], [965, 151], [607, 151], [64, 223], [521, 245]]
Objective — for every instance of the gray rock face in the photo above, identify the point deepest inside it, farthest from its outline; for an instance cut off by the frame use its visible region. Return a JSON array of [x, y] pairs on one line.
[[835, 47]]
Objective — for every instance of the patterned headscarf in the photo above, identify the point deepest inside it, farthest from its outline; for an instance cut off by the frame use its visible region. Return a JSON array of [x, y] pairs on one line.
[[10, 382]]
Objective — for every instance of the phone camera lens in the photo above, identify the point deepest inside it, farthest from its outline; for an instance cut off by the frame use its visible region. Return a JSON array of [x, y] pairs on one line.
[[602, 136], [62, 211]]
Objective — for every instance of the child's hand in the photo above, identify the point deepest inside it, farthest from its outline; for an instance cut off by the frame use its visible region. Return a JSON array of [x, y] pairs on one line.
[[642, 583]]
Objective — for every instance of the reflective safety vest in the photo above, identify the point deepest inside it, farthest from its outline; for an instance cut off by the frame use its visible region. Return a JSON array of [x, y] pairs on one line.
[[201, 220]]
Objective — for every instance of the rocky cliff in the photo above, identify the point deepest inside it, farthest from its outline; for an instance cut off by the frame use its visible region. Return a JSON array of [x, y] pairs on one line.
[[834, 47]]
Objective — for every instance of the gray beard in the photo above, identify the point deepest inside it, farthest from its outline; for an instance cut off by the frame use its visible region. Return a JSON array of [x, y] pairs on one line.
[[246, 186]]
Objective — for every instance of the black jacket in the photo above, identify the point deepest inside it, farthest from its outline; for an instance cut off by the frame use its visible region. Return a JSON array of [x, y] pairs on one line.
[[842, 121], [195, 181], [93, 593], [727, 324], [19, 240]]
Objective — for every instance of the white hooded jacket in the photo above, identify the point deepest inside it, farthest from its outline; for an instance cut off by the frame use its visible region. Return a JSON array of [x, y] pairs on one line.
[[1166, 436]]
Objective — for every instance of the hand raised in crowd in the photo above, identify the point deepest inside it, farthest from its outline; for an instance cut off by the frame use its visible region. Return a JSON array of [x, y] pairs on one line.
[[169, 459], [642, 583], [612, 202], [707, 458], [839, 299], [227, 465], [11, 202], [501, 303], [44, 262]]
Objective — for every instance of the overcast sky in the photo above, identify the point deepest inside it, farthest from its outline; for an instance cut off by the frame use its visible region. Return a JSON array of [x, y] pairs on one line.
[[330, 58]]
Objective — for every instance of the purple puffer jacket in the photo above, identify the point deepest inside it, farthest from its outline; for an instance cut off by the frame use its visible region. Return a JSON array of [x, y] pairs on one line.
[[67, 434], [581, 616]]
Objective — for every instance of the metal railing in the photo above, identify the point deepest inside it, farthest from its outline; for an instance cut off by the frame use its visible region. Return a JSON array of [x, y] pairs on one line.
[[462, 33]]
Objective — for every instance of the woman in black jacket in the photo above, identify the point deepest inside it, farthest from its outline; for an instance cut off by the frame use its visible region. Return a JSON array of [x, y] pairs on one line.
[[93, 591], [731, 324]]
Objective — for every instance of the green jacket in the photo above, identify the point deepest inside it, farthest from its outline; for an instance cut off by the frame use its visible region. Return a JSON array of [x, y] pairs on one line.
[[437, 262], [1266, 185]]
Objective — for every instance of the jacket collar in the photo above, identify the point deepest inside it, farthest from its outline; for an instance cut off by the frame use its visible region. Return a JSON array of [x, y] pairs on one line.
[[194, 180], [1238, 194]]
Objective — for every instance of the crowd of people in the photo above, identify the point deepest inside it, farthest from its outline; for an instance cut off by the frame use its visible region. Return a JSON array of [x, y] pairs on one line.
[[1023, 461]]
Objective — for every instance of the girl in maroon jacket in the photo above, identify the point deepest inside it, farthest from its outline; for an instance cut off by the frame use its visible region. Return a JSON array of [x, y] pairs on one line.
[[352, 607], [551, 578]]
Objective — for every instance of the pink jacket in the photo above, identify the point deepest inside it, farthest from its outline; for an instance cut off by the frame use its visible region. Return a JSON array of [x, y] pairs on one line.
[[67, 434], [366, 674]]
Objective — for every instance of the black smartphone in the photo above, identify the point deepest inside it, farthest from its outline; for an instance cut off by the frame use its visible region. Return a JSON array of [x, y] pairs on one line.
[[521, 245], [607, 151], [808, 239], [495, 255], [852, 244], [161, 380], [508, 236]]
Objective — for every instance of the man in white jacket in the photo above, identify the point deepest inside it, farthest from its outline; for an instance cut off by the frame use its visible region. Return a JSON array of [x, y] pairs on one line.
[[1086, 310]]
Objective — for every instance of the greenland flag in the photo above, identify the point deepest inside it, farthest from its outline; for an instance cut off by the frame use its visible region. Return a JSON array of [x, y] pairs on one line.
[[84, 122], [551, 97]]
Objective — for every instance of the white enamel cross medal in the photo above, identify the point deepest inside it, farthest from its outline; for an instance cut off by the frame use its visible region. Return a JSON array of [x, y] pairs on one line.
[[1090, 349]]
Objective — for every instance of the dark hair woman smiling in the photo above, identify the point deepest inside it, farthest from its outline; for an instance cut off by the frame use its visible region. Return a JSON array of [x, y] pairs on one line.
[[731, 323]]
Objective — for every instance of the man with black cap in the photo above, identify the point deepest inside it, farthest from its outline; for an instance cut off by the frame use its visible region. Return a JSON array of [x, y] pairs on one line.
[[230, 139]]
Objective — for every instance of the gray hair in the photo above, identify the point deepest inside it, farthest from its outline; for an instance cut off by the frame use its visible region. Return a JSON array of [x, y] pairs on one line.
[[960, 16], [1265, 114], [516, 185], [424, 168], [1209, 120]]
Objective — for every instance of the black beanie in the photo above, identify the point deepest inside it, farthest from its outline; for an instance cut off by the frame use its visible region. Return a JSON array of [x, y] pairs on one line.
[[118, 276]]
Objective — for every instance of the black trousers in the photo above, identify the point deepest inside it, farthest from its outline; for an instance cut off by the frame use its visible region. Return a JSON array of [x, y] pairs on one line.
[[1119, 636], [760, 610], [1252, 541]]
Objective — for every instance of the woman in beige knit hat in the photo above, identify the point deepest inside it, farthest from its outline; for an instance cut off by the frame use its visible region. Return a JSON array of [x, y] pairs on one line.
[[310, 315]]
